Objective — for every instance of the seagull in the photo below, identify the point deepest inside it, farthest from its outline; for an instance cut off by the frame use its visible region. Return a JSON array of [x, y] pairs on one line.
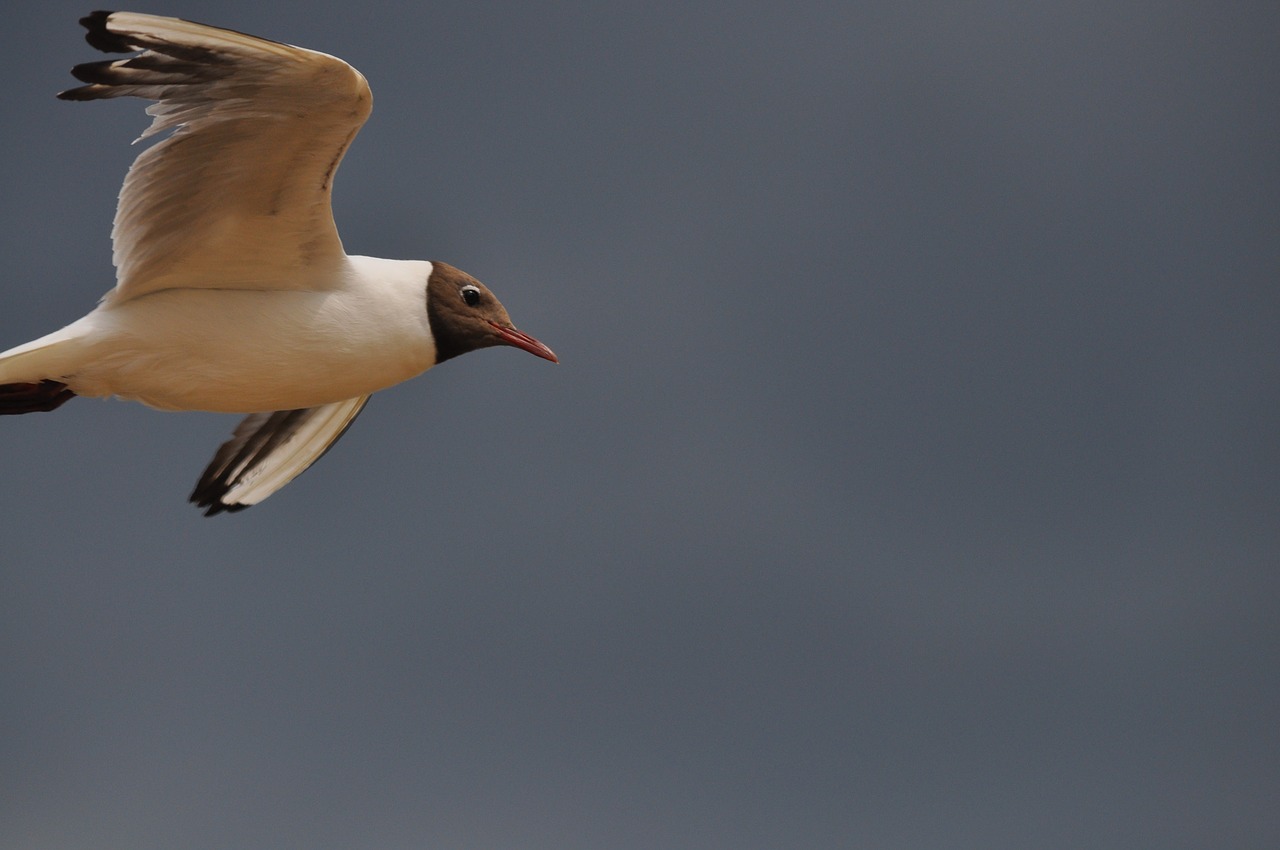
[[233, 292]]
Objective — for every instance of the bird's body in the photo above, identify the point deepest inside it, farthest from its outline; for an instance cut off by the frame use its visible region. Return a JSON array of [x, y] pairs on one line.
[[233, 292], [245, 350]]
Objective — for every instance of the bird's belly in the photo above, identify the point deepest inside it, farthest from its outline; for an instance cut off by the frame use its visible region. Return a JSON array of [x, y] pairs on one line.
[[244, 352]]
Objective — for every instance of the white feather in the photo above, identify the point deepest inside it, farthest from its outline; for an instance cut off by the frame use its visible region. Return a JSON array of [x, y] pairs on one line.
[[289, 459]]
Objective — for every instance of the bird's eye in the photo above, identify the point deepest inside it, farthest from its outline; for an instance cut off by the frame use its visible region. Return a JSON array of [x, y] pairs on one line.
[[471, 295]]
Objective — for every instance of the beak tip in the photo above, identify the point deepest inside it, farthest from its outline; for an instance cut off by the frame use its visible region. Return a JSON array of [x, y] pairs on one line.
[[521, 340]]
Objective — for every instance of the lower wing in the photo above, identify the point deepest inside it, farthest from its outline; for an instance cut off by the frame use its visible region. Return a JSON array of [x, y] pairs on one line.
[[268, 450]]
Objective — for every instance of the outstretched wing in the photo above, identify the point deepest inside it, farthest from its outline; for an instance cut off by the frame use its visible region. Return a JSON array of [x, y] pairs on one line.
[[238, 195], [268, 450]]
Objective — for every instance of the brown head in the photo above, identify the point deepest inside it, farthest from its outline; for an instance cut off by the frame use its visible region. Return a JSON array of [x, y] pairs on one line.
[[464, 315]]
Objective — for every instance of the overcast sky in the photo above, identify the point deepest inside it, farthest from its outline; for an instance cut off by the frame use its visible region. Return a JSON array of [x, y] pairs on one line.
[[909, 479]]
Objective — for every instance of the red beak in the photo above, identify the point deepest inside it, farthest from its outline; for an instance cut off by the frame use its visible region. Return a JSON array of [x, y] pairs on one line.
[[519, 339]]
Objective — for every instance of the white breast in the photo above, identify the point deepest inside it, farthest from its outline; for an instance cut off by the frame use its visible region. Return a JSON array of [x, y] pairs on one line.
[[243, 351]]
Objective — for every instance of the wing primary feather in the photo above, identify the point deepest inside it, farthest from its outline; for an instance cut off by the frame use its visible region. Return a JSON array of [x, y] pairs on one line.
[[219, 475], [98, 36], [267, 451], [251, 441]]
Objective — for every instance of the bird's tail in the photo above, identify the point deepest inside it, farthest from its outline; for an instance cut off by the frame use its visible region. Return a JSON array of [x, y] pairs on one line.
[[28, 372], [33, 398]]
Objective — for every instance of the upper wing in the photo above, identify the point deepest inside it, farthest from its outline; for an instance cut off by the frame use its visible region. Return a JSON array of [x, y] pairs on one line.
[[238, 195], [268, 450]]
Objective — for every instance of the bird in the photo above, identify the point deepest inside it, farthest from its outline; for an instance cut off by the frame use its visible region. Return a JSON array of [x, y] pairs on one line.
[[233, 292]]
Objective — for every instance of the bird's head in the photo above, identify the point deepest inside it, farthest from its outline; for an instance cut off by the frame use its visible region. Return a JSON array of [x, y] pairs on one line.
[[465, 315]]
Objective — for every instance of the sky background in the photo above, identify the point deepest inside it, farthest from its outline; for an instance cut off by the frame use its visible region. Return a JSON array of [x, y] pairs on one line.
[[910, 477]]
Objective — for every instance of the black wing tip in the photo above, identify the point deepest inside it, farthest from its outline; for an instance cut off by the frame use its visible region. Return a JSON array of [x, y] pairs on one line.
[[208, 493], [95, 72], [98, 36], [160, 63], [210, 501], [219, 508]]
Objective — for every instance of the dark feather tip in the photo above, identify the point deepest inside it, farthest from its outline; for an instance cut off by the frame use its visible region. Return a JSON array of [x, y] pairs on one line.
[[96, 72], [208, 497], [100, 37], [39, 397], [81, 93], [215, 508]]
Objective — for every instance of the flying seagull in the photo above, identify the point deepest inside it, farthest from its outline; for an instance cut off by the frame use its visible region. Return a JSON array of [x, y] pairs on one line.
[[233, 292]]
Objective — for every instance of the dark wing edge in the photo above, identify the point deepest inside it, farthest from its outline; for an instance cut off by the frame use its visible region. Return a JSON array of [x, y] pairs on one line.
[[164, 63], [267, 451]]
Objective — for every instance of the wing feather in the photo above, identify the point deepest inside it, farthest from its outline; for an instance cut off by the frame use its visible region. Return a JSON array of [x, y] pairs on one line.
[[238, 194], [268, 450]]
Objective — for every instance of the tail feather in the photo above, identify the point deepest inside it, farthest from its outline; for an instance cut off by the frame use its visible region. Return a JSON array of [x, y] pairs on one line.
[[33, 398], [30, 373]]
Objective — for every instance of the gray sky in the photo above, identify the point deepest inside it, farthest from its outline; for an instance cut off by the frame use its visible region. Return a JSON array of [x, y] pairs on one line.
[[910, 477]]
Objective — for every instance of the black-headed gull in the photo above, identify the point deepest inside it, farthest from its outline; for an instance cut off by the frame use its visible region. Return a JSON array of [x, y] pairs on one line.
[[233, 292]]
